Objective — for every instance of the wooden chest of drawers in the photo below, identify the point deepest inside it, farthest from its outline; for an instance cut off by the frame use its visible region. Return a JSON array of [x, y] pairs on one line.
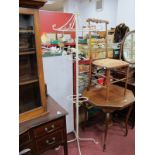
[[46, 142], [48, 128], [44, 133]]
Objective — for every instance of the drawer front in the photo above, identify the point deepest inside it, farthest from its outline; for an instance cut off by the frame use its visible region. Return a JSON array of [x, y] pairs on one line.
[[24, 138], [48, 128], [26, 149], [50, 141]]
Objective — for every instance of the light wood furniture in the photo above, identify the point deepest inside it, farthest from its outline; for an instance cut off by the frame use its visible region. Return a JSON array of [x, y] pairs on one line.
[[108, 65], [32, 100], [45, 132], [97, 21], [89, 21], [117, 101]]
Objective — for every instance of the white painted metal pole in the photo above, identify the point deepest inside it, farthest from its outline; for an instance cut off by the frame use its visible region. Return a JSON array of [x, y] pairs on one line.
[[77, 83], [77, 78]]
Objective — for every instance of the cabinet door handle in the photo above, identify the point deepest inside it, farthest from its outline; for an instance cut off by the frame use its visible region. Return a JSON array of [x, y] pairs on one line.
[[52, 142], [24, 151], [50, 130]]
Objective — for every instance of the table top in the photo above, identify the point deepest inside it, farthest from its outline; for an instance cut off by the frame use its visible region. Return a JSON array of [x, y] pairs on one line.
[[54, 111], [116, 100], [110, 63]]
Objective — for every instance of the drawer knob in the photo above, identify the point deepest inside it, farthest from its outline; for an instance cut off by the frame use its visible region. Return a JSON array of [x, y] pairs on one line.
[[50, 130], [52, 142]]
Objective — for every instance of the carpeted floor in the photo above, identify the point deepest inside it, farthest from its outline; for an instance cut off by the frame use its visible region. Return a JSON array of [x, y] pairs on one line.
[[117, 144]]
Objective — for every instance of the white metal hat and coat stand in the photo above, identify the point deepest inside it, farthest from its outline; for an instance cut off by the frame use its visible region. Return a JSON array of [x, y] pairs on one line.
[[72, 26]]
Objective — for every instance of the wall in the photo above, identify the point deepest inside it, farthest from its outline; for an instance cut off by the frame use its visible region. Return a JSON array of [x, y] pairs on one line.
[[126, 13], [87, 9], [71, 6], [116, 11], [59, 79]]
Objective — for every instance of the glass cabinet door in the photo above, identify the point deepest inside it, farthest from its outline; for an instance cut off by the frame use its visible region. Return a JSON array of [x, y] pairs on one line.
[[29, 88], [26, 33]]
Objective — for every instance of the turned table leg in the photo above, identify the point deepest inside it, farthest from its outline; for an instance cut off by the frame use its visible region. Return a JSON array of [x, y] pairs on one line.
[[106, 130], [85, 116], [126, 120]]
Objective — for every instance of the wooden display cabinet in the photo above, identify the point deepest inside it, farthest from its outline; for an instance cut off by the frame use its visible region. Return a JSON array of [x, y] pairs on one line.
[[32, 98], [32, 3]]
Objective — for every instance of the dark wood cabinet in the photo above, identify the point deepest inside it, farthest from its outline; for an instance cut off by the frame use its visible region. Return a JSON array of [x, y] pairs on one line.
[[42, 121], [32, 3], [26, 149], [25, 144], [45, 132], [49, 127], [50, 140]]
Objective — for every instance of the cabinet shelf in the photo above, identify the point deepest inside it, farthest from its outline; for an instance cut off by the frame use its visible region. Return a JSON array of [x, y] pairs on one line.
[[27, 53], [21, 83], [26, 31], [22, 50]]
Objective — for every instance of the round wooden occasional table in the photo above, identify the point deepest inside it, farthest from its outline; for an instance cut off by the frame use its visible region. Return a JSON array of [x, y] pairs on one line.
[[116, 101]]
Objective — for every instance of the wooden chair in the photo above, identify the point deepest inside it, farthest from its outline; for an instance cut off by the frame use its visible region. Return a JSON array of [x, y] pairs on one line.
[[108, 65]]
